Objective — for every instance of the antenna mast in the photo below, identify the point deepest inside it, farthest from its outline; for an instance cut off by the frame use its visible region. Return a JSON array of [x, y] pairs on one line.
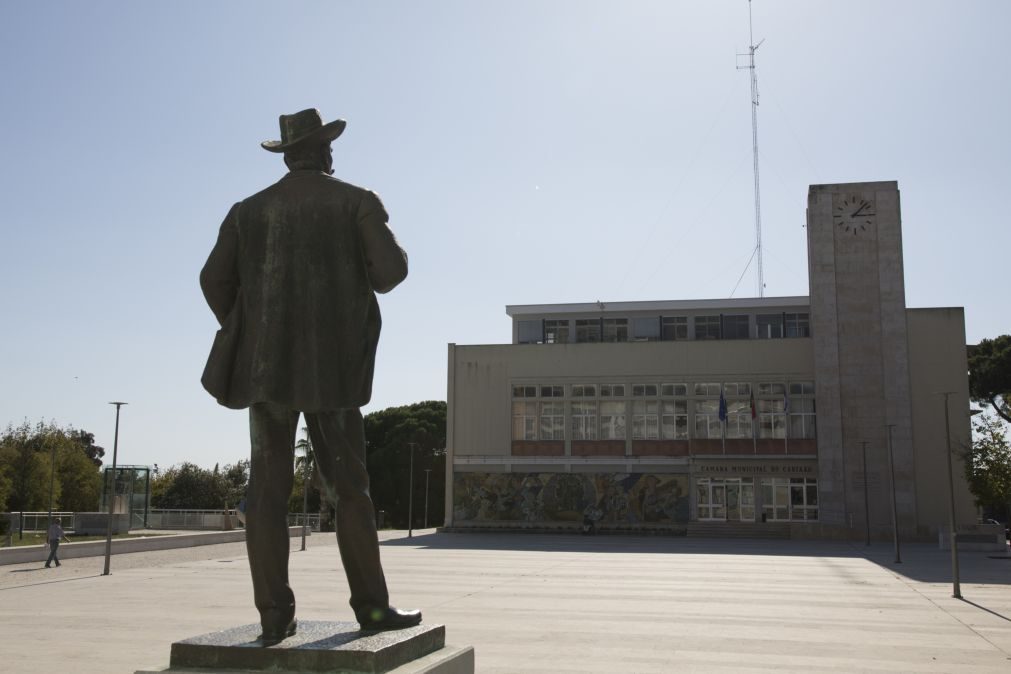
[[752, 47]]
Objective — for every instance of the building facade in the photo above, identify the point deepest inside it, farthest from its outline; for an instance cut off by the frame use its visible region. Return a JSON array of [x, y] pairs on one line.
[[801, 416]]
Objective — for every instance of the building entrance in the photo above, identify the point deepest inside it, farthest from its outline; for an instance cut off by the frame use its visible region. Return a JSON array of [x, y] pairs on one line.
[[725, 499]]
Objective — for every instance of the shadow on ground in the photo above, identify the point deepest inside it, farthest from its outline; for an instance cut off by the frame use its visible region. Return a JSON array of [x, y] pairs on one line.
[[921, 562]]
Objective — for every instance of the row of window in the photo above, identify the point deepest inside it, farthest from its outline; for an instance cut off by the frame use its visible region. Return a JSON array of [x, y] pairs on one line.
[[652, 390], [733, 499], [663, 419], [663, 328]]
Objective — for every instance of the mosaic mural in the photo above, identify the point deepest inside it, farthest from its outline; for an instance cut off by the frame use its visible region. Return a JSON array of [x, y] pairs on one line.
[[607, 498]]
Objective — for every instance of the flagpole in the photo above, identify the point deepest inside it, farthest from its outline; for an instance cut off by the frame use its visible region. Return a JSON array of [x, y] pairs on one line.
[[754, 434]]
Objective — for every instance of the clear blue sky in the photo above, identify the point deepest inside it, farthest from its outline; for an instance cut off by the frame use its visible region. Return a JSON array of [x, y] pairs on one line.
[[527, 151]]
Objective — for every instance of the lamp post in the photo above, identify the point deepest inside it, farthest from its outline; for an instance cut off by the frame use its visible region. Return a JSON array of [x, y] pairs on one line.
[[410, 496], [428, 472], [306, 448], [52, 483], [112, 492], [867, 507], [956, 588], [895, 515]]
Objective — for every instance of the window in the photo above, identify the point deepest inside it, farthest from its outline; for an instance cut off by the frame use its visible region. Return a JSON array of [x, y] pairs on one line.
[[739, 419], [775, 499], [674, 420], [584, 390], [552, 391], [737, 389], [797, 325], [552, 422], [803, 498], [646, 329], [736, 327], [802, 388], [771, 418], [707, 419], [612, 420], [641, 390], [587, 330], [529, 332], [645, 420], [524, 391], [775, 388], [707, 389], [770, 326], [556, 331], [524, 421], [802, 418], [674, 327], [794, 498], [584, 420], [670, 390], [612, 390], [707, 327], [615, 329]]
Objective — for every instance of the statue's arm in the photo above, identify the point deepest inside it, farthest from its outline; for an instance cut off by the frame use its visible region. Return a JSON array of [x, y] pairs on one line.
[[219, 279], [385, 260]]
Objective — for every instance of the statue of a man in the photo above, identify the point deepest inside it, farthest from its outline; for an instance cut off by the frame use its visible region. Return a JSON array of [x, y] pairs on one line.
[[292, 281]]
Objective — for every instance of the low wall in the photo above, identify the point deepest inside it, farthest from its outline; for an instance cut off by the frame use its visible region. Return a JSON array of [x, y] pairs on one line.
[[39, 553], [985, 537]]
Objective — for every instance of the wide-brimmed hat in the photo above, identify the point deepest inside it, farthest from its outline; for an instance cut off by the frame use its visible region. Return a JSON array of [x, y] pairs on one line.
[[302, 127]]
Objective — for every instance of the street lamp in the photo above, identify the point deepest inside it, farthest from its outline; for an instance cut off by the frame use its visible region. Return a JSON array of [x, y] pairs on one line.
[[956, 589], [306, 448], [52, 482], [428, 472], [112, 492], [867, 507], [410, 495], [895, 514]]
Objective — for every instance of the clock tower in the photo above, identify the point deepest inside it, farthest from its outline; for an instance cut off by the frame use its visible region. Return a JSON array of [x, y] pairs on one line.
[[858, 327]]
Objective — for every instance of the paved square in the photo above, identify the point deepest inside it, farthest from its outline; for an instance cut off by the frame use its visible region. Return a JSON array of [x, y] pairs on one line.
[[546, 603]]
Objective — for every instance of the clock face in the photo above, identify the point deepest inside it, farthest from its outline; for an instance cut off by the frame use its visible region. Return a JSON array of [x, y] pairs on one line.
[[854, 215]]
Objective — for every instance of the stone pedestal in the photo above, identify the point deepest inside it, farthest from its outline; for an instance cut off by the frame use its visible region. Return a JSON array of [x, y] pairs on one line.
[[321, 646]]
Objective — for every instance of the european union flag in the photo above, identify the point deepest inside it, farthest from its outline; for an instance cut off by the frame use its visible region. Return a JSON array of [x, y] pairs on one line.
[[723, 407]]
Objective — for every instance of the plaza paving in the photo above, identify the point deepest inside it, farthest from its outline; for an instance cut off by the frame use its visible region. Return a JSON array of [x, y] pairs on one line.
[[548, 603]]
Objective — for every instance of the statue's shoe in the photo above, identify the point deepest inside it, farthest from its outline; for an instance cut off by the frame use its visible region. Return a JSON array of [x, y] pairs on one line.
[[376, 620], [275, 634]]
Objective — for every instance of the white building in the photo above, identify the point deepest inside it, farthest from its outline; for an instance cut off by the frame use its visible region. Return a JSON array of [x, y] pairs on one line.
[[691, 415]]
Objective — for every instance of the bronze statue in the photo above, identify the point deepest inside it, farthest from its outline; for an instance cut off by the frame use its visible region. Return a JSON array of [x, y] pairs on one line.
[[292, 281]]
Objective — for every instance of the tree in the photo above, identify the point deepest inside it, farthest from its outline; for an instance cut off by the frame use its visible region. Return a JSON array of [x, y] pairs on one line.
[[187, 486], [988, 465], [79, 479], [86, 441], [388, 434], [990, 374]]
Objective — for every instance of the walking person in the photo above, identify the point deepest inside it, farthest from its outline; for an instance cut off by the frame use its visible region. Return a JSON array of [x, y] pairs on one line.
[[53, 538]]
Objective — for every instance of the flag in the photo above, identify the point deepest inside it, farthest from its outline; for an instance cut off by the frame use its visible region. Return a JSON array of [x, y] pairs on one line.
[[723, 407], [753, 405]]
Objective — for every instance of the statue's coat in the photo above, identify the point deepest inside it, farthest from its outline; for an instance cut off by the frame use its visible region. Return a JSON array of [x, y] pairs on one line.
[[292, 281]]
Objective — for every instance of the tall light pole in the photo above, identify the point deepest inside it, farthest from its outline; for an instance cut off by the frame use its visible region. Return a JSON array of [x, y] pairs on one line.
[[52, 482], [410, 496], [306, 448], [956, 588], [428, 472], [112, 492], [867, 507], [895, 513]]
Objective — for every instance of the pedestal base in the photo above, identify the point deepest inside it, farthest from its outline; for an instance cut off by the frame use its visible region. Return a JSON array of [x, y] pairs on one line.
[[320, 646]]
